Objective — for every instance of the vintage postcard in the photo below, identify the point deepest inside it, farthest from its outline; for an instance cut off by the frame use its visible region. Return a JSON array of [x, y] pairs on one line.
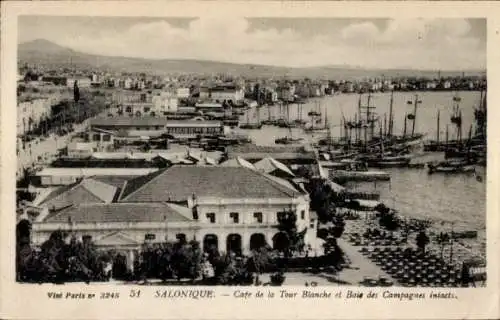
[[220, 160]]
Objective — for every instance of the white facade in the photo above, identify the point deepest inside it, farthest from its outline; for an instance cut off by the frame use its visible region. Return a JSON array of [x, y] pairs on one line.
[[255, 217], [127, 84], [228, 95], [165, 103], [83, 82], [182, 93]]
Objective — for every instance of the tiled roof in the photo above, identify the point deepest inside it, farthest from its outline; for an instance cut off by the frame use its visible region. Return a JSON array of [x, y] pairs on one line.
[[103, 191], [237, 162], [82, 192], [269, 165], [133, 184], [119, 212], [75, 195], [116, 181], [179, 183], [56, 192]]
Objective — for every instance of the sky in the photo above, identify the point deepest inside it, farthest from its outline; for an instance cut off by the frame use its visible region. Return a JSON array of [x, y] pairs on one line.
[[425, 44]]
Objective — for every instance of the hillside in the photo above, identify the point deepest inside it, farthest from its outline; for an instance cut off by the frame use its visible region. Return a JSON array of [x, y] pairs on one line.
[[49, 54]]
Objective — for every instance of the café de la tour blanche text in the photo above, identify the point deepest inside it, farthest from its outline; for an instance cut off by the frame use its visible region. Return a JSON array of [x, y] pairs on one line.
[[264, 293]]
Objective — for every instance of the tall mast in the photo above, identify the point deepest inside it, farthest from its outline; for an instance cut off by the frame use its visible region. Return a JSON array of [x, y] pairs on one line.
[[446, 137], [438, 127], [414, 115], [369, 115], [356, 132], [359, 106], [389, 133], [385, 124], [404, 128], [326, 117], [469, 143], [287, 113], [460, 126]]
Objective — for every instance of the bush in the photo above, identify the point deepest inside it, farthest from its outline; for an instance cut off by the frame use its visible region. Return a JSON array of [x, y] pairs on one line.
[[277, 279]]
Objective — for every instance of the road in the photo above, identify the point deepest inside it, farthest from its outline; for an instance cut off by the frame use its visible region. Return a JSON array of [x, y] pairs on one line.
[[38, 151]]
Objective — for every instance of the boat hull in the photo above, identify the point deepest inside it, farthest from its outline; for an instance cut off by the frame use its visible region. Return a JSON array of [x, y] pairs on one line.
[[451, 169]]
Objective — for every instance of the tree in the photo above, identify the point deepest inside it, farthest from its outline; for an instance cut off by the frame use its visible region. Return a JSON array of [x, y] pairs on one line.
[[389, 221], [76, 92], [233, 270], [258, 262], [287, 225], [442, 239], [24, 253], [422, 240]]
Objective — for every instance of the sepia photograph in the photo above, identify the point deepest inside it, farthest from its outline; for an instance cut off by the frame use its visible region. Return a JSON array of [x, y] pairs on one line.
[[316, 152]]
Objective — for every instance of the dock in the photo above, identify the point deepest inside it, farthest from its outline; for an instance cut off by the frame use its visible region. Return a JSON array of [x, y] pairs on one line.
[[348, 175]]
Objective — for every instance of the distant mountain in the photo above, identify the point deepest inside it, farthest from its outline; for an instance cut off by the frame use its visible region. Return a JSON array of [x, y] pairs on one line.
[[47, 53]]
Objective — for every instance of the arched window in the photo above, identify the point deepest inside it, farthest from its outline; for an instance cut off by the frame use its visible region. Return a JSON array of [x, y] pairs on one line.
[[233, 243]]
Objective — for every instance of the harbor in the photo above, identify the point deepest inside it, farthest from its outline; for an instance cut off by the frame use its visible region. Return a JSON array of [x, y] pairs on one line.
[[222, 179]]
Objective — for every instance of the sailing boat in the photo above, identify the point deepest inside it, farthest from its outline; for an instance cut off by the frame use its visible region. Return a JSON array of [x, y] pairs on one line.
[[321, 129], [431, 145], [315, 113], [251, 126], [413, 136], [299, 120], [269, 121], [285, 123], [453, 166], [386, 159], [458, 148], [287, 139]]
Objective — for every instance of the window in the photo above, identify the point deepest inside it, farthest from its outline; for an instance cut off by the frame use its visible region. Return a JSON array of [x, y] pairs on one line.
[[195, 213], [149, 237], [211, 217], [235, 217], [258, 217], [303, 214], [147, 109], [181, 237], [106, 137], [128, 109], [311, 225], [96, 137]]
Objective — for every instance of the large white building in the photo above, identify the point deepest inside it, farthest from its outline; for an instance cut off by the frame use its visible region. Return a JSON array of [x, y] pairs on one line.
[[183, 93], [165, 103], [228, 208], [232, 94], [83, 82]]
